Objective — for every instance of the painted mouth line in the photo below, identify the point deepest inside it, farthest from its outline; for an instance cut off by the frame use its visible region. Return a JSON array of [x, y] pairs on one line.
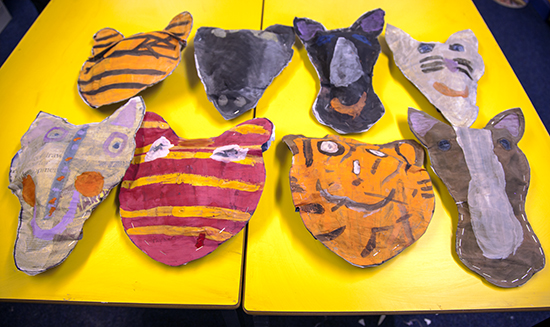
[[353, 110], [351, 204], [445, 90]]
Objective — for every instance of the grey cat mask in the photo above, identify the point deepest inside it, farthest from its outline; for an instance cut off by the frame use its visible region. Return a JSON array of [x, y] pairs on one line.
[[446, 73]]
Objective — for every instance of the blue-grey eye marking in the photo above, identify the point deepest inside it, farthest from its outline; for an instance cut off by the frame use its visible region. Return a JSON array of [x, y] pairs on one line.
[[323, 39], [361, 38], [55, 134], [426, 47], [505, 144], [456, 47], [444, 145]]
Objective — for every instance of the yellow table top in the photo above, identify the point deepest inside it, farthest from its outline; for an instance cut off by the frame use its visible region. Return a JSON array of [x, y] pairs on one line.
[[288, 271], [41, 75]]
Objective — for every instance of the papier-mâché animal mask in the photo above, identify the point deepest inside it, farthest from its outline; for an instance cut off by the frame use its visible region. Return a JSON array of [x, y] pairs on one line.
[[120, 68], [364, 202], [236, 66], [446, 73], [61, 173], [180, 199], [344, 60], [488, 177]]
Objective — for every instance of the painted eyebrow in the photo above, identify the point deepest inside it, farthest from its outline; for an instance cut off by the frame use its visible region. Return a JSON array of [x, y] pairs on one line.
[[464, 62], [430, 58]]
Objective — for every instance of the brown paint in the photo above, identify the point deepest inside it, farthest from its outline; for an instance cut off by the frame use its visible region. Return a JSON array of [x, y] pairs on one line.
[[29, 190], [89, 183], [445, 90]]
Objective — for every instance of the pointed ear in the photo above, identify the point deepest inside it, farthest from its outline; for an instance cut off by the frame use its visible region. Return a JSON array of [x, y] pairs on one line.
[[104, 38], [42, 124], [370, 22], [180, 26], [511, 120], [286, 33], [290, 141], [466, 36], [400, 43], [420, 124], [129, 115], [306, 28], [412, 151]]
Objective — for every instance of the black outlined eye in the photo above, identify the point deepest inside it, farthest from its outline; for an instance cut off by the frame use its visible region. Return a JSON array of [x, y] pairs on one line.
[[377, 153], [229, 153], [425, 47], [505, 144], [115, 144], [456, 47], [330, 148], [444, 145], [55, 134], [361, 38]]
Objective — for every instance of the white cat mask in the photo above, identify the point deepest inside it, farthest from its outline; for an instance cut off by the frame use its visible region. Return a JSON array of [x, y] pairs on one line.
[[446, 73]]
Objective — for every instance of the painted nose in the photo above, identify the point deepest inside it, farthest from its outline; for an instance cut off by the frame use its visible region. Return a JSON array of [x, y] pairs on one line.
[[345, 67], [451, 65]]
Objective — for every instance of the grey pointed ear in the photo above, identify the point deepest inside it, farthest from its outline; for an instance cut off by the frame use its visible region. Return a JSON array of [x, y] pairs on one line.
[[400, 43], [370, 22], [466, 36], [129, 115], [511, 120], [306, 28], [285, 32], [420, 124]]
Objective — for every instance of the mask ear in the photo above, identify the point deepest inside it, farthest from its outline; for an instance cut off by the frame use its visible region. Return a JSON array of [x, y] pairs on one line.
[[306, 28], [286, 33], [466, 36], [129, 115], [43, 123], [421, 123], [370, 22], [290, 142], [180, 26], [400, 43], [511, 120]]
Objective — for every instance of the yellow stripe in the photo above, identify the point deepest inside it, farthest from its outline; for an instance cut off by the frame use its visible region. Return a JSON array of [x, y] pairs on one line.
[[190, 211], [146, 148], [195, 180], [249, 129], [249, 160], [211, 233], [155, 124]]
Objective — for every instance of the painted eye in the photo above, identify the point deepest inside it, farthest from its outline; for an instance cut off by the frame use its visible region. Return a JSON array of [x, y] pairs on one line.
[[505, 144], [377, 153], [425, 47], [55, 134], [330, 148], [115, 144], [361, 38], [444, 145], [323, 39], [229, 153], [456, 47]]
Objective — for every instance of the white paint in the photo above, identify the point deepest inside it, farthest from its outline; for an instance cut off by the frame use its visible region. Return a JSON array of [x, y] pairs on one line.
[[329, 147], [498, 232], [159, 149], [229, 153], [356, 167], [345, 67]]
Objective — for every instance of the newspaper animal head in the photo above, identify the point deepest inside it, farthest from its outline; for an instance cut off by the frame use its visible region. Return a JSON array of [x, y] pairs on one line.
[[61, 173], [488, 177], [344, 60], [446, 73], [236, 66]]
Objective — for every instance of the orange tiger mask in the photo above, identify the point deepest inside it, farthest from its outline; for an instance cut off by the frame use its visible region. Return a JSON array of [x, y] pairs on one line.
[[365, 202], [120, 68]]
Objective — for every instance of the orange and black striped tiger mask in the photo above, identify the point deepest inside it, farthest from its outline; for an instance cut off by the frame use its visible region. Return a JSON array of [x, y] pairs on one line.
[[365, 202], [120, 68]]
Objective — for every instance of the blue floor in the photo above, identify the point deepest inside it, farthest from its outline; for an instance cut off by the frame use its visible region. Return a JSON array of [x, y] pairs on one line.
[[524, 37]]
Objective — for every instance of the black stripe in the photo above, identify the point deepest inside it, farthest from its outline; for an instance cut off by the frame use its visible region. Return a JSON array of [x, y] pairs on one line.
[[464, 62], [330, 235], [426, 188], [315, 208], [429, 70], [184, 23], [104, 45], [375, 166], [432, 64], [308, 153], [106, 37], [115, 86], [137, 53], [405, 217], [424, 181], [465, 72], [427, 196], [151, 72], [430, 58], [414, 193], [371, 244]]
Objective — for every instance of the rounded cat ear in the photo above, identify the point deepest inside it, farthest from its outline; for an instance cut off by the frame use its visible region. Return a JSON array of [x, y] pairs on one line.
[[130, 115], [306, 28], [465, 36], [511, 120], [421, 123], [370, 22], [285, 32]]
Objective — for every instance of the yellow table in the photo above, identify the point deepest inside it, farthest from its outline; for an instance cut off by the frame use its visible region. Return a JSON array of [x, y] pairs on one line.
[[288, 271], [41, 75]]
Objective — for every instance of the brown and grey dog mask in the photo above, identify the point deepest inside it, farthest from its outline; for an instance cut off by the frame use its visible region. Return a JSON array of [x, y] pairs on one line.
[[488, 177]]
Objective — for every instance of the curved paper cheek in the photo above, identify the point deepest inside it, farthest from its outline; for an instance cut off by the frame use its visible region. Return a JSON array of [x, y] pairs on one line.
[[29, 190], [89, 183]]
